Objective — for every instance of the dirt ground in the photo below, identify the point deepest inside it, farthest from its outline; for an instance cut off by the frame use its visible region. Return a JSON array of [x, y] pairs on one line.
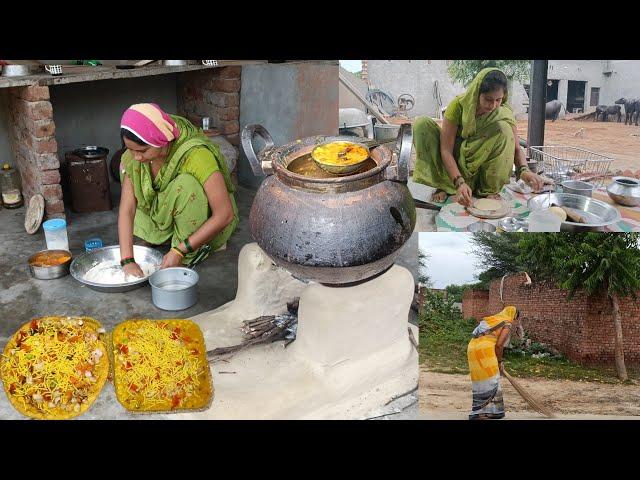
[[617, 140], [446, 396]]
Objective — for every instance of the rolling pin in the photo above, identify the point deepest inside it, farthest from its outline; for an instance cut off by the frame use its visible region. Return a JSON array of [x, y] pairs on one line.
[[571, 215]]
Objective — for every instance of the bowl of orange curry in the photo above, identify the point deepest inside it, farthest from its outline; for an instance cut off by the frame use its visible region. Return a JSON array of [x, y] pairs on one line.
[[50, 264]]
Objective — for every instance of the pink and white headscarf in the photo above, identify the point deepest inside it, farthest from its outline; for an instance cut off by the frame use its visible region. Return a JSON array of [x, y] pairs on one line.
[[150, 124]]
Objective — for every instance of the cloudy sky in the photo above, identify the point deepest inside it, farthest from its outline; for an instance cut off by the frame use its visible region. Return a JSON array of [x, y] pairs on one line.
[[351, 65], [450, 258]]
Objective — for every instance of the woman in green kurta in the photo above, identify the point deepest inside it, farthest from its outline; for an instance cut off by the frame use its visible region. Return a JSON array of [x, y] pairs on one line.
[[474, 152], [175, 185]]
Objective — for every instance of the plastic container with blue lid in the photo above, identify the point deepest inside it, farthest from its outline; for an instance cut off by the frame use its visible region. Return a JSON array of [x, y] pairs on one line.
[[55, 232]]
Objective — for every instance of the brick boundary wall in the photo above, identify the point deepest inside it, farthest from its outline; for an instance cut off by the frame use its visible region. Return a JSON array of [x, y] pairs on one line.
[[33, 143], [581, 328], [213, 93]]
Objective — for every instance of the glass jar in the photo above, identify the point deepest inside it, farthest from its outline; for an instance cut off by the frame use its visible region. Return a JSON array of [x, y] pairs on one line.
[[10, 185], [55, 232]]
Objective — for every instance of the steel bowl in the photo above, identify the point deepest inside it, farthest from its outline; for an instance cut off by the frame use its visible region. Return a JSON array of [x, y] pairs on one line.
[[174, 288], [82, 264], [14, 70], [481, 227], [91, 152], [625, 191], [386, 133], [54, 271], [599, 214], [341, 169], [578, 187]]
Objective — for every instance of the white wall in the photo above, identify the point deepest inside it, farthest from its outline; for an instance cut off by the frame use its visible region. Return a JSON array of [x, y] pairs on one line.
[[623, 82], [417, 78], [589, 71]]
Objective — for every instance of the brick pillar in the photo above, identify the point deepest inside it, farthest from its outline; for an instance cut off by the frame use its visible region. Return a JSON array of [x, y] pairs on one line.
[[213, 93], [34, 146], [364, 73]]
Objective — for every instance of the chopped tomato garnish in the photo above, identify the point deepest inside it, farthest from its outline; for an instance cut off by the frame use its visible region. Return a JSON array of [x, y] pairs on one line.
[[25, 347], [133, 387], [12, 388], [34, 325], [186, 338], [73, 380], [177, 330], [124, 349], [61, 337], [74, 339], [47, 396], [128, 366], [175, 401], [194, 351]]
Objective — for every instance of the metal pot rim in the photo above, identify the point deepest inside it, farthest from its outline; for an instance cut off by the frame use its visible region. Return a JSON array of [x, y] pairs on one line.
[[170, 269]]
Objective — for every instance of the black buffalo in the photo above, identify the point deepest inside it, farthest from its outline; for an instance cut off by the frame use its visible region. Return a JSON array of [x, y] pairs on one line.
[[552, 109], [603, 112], [631, 109]]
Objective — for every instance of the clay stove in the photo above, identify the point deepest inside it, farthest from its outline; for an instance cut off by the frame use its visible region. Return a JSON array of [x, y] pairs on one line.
[[331, 242]]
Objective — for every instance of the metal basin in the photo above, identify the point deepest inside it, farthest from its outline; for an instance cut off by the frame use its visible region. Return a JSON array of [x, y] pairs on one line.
[[599, 214], [49, 272], [174, 288], [578, 187], [82, 264]]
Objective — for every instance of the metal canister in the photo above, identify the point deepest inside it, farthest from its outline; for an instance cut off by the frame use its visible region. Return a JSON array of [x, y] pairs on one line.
[[10, 185]]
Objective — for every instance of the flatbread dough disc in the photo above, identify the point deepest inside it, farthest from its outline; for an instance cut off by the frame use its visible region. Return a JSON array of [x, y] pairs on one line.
[[488, 204]]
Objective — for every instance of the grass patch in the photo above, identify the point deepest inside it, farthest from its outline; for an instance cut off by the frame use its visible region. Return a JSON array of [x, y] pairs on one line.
[[443, 349]]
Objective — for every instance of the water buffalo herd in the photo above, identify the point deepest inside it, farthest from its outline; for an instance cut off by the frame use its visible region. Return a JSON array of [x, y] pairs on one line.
[[631, 111]]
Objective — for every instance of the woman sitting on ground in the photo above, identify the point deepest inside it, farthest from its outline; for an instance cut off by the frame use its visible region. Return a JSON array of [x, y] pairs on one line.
[[476, 149]]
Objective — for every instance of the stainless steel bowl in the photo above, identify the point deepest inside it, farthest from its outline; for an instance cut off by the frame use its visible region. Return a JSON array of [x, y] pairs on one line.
[[54, 271], [174, 63], [481, 227], [82, 264], [597, 213], [578, 187], [625, 191], [386, 133], [15, 70], [174, 288]]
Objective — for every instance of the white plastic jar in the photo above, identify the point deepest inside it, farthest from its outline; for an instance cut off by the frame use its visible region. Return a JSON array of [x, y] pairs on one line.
[[55, 232]]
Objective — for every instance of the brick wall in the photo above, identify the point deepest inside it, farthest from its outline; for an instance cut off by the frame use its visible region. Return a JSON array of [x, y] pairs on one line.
[[474, 304], [581, 328], [34, 146], [213, 93]]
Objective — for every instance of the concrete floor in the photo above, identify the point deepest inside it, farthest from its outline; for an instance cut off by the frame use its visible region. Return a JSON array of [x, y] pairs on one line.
[[23, 297]]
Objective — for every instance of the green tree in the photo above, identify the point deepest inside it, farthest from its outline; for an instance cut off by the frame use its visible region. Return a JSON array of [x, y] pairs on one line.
[[596, 263], [423, 277], [464, 71], [496, 254]]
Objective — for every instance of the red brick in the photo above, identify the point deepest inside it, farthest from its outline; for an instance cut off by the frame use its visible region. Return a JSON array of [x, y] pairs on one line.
[[42, 128], [229, 72], [51, 193], [47, 161], [34, 110], [227, 85], [230, 113], [229, 127], [55, 207], [44, 146], [50, 177], [33, 93], [220, 99]]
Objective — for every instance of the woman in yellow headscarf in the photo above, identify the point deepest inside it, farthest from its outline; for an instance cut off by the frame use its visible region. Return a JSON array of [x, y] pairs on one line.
[[476, 149], [485, 355]]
